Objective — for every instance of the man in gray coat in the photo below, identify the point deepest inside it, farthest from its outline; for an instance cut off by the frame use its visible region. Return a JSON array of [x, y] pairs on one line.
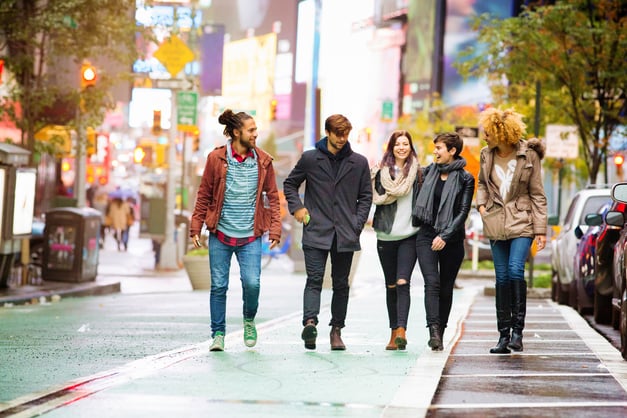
[[338, 196]]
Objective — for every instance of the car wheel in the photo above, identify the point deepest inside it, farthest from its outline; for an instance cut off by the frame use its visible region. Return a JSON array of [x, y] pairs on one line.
[[573, 295], [615, 318], [554, 285], [602, 308], [562, 295], [623, 325]]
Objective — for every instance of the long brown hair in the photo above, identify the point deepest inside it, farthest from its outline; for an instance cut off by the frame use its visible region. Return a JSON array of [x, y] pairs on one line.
[[388, 159]]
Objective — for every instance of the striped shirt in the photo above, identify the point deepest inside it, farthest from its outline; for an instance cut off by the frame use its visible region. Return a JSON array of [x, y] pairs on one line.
[[235, 226]]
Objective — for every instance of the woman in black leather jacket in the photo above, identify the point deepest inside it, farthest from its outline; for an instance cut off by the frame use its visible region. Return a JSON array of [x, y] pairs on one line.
[[394, 183], [441, 210]]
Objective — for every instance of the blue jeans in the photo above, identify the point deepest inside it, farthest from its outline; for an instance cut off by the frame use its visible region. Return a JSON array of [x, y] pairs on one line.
[[509, 258], [249, 260]]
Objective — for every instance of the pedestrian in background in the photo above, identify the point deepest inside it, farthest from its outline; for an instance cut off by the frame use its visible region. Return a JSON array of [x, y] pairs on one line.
[[238, 201], [441, 210], [512, 203], [395, 182], [118, 213], [338, 196]]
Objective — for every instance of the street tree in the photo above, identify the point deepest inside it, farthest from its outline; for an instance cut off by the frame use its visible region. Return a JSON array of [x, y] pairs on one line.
[[44, 43], [576, 51]]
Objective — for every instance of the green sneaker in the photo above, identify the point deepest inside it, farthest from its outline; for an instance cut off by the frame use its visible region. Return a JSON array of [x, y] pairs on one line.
[[218, 342], [250, 333]]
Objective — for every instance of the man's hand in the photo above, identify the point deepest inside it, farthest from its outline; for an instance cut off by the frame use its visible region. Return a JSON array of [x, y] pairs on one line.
[[302, 216], [274, 243], [196, 241]]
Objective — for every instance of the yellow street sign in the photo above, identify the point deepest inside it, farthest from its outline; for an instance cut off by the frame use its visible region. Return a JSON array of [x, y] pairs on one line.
[[174, 55]]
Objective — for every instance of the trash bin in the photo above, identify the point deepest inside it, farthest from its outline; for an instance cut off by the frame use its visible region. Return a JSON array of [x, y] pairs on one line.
[[71, 247]]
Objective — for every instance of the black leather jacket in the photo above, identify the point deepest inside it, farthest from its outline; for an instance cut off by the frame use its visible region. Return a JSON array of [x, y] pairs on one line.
[[463, 189]]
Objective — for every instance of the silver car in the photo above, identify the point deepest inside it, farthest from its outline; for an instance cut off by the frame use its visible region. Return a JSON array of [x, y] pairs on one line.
[[564, 245]]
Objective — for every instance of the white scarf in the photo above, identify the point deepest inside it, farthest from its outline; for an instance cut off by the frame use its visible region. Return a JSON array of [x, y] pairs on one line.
[[394, 188]]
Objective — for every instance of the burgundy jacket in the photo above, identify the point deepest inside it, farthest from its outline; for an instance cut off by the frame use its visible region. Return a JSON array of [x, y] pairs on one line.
[[210, 195]]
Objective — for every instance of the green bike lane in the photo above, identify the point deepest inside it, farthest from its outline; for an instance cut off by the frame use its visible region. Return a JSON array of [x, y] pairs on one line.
[[147, 355]]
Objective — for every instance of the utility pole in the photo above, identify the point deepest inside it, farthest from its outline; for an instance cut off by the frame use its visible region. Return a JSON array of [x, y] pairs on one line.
[[168, 248]]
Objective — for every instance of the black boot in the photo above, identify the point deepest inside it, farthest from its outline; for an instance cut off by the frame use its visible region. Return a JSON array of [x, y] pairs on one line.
[[519, 311], [435, 338], [503, 318]]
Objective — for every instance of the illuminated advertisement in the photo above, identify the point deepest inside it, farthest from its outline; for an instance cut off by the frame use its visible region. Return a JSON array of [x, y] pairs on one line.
[[420, 53], [459, 36], [248, 72], [24, 203]]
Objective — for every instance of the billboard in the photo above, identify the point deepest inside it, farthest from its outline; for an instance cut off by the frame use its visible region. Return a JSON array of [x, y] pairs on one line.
[[459, 36]]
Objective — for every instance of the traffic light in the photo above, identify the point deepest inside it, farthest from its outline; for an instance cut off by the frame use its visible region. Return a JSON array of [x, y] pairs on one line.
[[156, 122], [273, 104], [619, 159], [89, 75], [143, 155]]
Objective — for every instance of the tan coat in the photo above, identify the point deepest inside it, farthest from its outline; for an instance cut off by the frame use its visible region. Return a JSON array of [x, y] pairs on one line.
[[119, 214], [525, 213]]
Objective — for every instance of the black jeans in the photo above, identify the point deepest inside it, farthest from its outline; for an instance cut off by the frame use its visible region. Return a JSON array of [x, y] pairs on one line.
[[439, 270], [398, 259], [315, 263]]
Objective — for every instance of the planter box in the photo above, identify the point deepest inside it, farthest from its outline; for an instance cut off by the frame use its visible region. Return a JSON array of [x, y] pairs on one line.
[[197, 268]]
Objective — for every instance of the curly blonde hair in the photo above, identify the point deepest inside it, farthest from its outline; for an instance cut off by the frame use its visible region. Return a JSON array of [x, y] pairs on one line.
[[503, 125]]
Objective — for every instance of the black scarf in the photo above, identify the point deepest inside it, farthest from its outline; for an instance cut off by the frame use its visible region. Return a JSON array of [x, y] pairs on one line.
[[424, 203]]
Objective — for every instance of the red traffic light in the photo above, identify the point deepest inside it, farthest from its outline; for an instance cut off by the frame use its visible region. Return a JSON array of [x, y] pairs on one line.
[[619, 159]]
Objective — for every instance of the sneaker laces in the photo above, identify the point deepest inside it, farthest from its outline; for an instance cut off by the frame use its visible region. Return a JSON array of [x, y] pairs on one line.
[[249, 330]]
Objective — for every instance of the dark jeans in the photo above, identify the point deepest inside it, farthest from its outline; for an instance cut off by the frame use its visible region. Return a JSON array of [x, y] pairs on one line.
[[398, 259], [439, 269], [315, 263]]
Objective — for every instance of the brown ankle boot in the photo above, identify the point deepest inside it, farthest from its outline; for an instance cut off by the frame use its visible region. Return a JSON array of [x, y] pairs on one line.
[[336, 339], [392, 345], [401, 339]]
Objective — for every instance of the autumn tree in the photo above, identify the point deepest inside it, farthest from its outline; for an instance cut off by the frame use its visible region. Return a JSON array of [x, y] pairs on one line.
[[576, 50], [44, 42]]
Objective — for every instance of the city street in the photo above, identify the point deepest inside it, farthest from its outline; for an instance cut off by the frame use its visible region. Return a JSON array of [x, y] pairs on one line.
[[145, 353]]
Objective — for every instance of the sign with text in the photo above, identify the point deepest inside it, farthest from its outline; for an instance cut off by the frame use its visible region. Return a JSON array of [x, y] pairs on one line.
[[562, 141], [186, 105]]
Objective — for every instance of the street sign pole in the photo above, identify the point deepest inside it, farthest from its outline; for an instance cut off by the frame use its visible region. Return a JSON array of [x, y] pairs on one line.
[[168, 259]]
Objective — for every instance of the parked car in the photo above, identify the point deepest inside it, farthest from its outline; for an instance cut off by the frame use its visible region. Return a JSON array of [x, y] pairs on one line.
[[474, 235], [564, 245], [619, 298], [584, 269], [595, 257]]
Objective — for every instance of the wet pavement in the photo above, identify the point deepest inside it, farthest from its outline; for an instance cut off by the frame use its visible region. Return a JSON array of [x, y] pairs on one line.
[[143, 351]]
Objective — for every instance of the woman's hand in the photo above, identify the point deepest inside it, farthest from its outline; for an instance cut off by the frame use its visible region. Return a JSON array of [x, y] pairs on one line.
[[540, 242], [438, 244]]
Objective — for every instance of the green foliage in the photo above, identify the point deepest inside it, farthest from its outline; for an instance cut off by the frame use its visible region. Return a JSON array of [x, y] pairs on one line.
[[576, 50], [44, 41]]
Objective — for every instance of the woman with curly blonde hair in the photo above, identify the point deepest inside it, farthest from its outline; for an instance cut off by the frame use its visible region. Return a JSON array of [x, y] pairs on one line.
[[512, 203]]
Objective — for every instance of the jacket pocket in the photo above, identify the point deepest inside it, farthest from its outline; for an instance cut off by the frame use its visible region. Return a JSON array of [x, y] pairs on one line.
[[494, 223]]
